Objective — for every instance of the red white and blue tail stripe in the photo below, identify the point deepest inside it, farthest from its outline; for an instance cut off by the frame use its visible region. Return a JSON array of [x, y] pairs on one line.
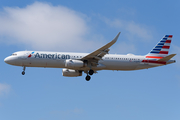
[[161, 49], [159, 54]]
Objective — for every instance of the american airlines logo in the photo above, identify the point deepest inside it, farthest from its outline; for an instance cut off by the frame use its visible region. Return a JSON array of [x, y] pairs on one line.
[[52, 56], [30, 54]]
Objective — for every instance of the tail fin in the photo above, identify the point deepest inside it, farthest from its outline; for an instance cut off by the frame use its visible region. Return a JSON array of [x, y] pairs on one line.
[[161, 49]]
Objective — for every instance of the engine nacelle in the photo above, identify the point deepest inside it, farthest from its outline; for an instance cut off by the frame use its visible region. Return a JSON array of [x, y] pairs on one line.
[[71, 73], [74, 63]]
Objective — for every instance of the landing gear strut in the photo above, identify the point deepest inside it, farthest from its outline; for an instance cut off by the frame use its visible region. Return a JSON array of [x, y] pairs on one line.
[[23, 72], [91, 72]]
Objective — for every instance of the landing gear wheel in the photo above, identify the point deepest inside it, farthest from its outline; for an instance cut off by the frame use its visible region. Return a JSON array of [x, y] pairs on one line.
[[91, 72], [88, 78], [23, 73]]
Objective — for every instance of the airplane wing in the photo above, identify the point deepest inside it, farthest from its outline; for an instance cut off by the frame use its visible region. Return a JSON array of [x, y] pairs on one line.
[[99, 53]]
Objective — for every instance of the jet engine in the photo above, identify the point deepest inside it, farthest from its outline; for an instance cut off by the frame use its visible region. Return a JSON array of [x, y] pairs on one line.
[[71, 73], [74, 63]]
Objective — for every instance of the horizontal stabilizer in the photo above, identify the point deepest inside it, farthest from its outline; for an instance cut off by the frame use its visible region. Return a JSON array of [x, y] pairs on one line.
[[167, 57]]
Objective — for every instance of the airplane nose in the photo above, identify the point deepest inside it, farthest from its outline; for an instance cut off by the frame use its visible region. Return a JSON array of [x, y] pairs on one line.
[[7, 60]]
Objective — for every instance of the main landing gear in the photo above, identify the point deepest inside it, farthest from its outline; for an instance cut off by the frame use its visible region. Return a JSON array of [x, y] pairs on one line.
[[91, 72], [88, 77], [23, 72]]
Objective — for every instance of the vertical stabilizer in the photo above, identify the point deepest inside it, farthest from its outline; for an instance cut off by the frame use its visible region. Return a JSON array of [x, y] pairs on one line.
[[161, 49]]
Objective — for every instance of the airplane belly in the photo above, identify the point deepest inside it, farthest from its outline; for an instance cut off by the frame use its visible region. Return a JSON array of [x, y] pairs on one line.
[[120, 65], [47, 63]]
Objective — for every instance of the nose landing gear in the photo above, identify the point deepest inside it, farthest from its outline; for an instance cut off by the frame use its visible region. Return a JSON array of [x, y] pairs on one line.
[[23, 72]]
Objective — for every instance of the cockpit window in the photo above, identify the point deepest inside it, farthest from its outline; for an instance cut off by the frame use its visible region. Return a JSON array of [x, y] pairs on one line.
[[14, 54]]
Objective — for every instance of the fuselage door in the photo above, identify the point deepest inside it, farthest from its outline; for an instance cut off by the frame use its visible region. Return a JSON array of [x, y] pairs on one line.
[[146, 61], [24, 56]]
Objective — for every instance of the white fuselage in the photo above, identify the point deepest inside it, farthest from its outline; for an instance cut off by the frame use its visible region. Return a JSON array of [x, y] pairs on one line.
[[74, 64], [57, 60]]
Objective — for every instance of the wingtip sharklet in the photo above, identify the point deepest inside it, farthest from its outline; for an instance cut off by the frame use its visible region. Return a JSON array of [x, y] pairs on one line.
[[117, 36]]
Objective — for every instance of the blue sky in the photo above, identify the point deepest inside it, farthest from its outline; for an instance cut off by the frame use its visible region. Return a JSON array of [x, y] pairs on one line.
[[84, 26]]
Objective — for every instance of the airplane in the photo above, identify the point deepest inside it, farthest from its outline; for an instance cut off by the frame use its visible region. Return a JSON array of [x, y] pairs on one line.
[[74, 64]]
